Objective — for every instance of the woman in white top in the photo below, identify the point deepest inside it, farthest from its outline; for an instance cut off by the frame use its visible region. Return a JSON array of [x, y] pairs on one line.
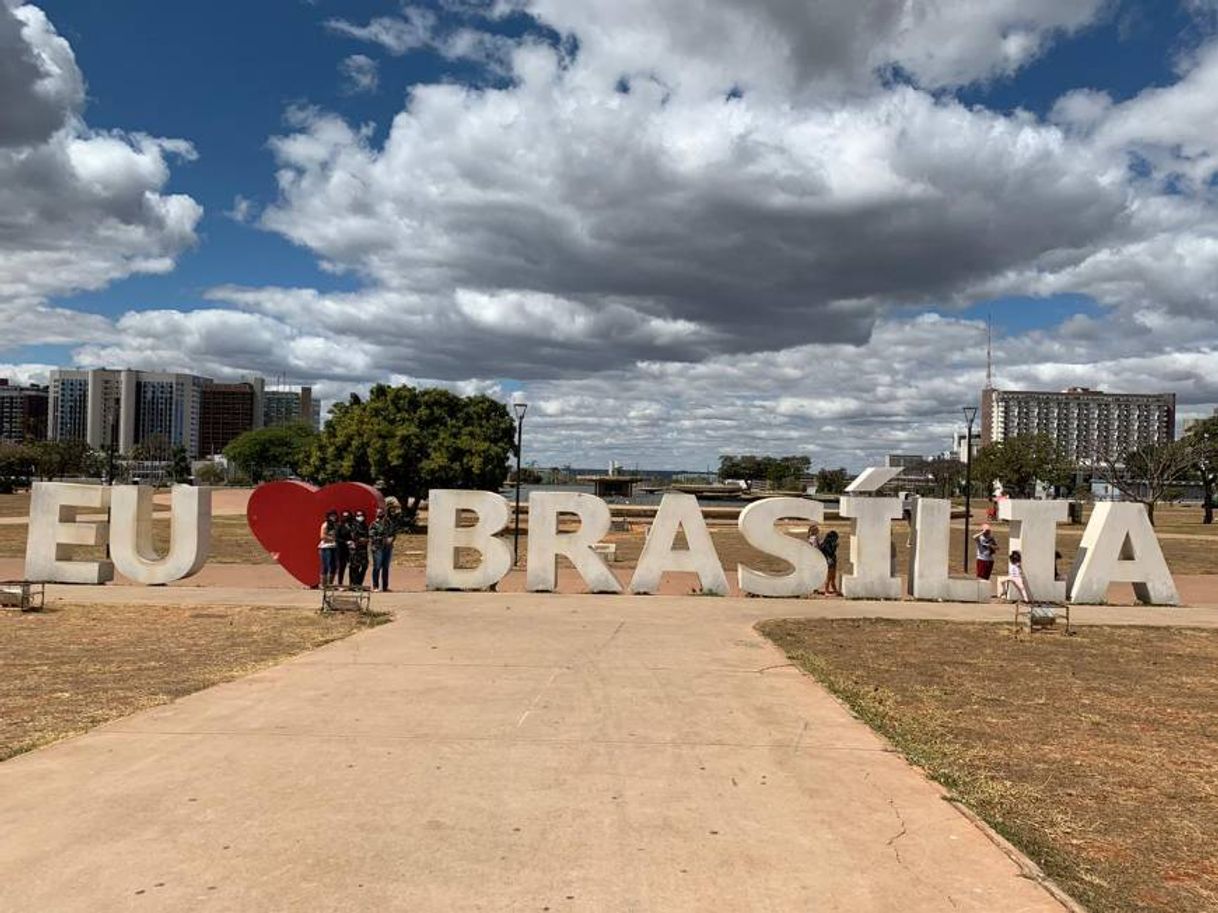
[[1015, 576], [326, 548]]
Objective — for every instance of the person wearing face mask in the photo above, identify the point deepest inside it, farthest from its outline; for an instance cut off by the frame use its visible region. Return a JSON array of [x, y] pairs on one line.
[[359, 548], [382, 533], [327, 547], [342, 546]]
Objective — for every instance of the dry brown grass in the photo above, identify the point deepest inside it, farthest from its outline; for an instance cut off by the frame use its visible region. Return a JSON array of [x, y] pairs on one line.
[[15, 505], [1096, 754], [68, 669]]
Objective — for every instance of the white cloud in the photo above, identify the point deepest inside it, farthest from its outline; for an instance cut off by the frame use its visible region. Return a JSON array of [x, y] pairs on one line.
[[708, 225], [79, 208], [727, 225], [361, 74], [243, 209], [701, 271], [418, 28]]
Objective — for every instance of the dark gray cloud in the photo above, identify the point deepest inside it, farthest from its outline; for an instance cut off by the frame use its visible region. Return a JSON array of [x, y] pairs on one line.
[[40, 85], [679, 269]]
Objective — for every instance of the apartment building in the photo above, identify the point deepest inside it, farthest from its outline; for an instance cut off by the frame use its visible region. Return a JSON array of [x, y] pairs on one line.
[[1089, 425], [282, 407], [23, 413], [122, 408], [228, 410]]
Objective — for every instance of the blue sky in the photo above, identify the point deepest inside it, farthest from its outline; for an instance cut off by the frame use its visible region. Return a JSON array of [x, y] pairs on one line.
[[494, 240]]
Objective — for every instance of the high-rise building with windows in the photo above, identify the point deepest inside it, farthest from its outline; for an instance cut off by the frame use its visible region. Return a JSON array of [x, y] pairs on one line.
[[124, 408], [282, 407], [229, 410], [1090, 426], [23, 413]]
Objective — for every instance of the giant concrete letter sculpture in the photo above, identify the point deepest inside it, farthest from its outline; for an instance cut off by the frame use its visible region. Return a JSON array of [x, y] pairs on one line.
[[871, 548], [1119, 546], [1034, 536], [444, 537], [678, 511], [546, 543], [54, 530], [930, 553], [131, 533], [757, 526]]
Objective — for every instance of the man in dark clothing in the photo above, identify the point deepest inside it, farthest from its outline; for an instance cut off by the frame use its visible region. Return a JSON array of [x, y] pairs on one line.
[[359, 549], [342, 547]]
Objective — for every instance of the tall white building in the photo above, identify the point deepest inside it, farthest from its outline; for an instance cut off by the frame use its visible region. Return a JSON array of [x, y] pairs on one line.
[[125, 407], [1090, 426]]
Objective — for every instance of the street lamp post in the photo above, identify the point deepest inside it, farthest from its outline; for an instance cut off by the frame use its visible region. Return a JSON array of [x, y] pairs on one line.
[[970, 413], [520, 410]]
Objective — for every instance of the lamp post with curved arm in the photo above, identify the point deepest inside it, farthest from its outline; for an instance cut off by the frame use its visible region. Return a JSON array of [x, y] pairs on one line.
[[519, 408]]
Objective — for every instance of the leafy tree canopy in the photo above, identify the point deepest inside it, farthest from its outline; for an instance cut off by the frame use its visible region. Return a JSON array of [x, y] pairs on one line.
[[265, 452], [65, 459], [1022, 461], [415, 440], [17, 466], [179, 467], [946, 475], [780, 472], [1203, 440], [832, 481], [1147, 474], [155, 446]]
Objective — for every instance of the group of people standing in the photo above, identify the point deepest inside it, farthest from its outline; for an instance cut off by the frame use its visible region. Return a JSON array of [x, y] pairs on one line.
[[347, 540], [987, 547]]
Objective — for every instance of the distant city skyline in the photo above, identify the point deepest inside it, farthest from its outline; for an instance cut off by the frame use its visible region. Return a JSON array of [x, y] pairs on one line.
[[768, 227]]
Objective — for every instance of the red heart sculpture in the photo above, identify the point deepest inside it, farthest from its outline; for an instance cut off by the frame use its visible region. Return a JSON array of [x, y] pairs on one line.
[[286, 518]]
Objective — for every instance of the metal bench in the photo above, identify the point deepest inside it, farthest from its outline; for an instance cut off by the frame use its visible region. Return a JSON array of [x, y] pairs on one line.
[[607, 550], [346, 599], [23, 595], [1042, 617]]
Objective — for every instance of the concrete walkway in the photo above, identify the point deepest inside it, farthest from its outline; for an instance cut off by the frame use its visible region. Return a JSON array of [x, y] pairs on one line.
[[501, 752]]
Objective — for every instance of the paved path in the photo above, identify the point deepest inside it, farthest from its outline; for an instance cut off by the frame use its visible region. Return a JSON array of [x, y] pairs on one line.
[[501, 752]]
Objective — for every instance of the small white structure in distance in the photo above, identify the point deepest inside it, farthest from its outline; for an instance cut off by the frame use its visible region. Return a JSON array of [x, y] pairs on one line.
[[872, 479]]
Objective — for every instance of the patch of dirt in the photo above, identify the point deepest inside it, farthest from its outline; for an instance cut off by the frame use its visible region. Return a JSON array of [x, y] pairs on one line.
[[70, 668], [1097, 754]]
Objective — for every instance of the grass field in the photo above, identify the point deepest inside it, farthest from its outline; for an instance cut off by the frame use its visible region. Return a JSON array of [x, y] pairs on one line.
[[70, 668], [1097, 754]]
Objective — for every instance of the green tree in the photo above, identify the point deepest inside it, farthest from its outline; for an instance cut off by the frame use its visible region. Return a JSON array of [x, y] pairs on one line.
[[16, 466], [415, 440], [946, 475], [832, 481], [1147, 474], [211, 474], [154, 448], [780, 472], [63, 459], [179, 467], [266, 452], [1020, 462], [1203, 439]]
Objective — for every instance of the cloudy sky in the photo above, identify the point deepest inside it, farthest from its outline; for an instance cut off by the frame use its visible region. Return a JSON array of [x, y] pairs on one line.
[[677, 229]]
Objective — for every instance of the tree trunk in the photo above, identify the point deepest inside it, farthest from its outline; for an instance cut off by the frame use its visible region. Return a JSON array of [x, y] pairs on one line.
[[1208, 482], [1150, 512]]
